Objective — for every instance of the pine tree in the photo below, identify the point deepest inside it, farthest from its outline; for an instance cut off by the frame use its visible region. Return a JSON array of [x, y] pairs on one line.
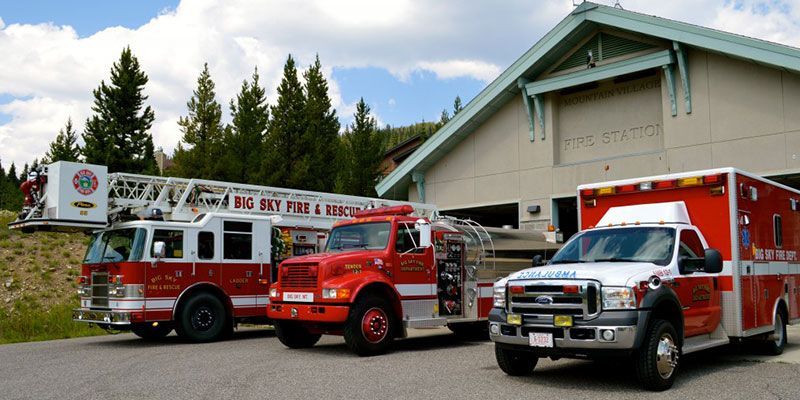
[[244, 140], [445, 118], [363, 150], [457, 105], [321, 136], [5, 188], [65, 147], [202, 132], [12, 176], [117, 135], [284, 164]]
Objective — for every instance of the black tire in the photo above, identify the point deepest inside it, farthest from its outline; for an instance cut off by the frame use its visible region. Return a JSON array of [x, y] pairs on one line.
[[294, 335], [150, 332], [369, 329], [514, 362], [658, 360], [203, 318], [776, 341], [470, 330]]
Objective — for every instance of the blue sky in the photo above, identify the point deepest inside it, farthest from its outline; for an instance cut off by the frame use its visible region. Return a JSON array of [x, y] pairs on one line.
[[85, 16], [416, 97], [407, 58]]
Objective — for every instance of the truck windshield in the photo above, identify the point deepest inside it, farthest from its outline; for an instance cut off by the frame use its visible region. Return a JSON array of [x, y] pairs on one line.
[[636, 244], [368, 236], [115, 246]]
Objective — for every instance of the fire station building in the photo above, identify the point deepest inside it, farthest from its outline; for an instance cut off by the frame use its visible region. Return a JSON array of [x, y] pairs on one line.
[[609, 94]]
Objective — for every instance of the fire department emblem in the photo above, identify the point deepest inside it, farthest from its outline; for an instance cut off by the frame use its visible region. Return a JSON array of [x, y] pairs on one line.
[[85, 182]]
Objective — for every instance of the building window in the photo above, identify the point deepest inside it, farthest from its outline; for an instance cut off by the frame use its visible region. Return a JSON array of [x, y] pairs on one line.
[[205, 245], [237, 240], [173, 240], [777, 230]]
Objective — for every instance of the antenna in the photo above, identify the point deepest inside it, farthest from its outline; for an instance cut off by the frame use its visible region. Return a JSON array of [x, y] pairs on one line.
[[618, 5], [576, 3]]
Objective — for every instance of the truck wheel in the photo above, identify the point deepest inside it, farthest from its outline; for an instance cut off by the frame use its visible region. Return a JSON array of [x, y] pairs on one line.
[[203, 319], [368, 330], [776, 341], [294, 335], [657, 359], [513, 362], [150, 332]]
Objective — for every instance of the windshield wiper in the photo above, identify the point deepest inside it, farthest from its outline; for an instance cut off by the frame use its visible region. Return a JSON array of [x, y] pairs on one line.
[[616, 259], [567, 261]]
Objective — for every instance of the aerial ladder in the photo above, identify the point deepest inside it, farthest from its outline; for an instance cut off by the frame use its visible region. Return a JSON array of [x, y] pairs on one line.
[[67, 196]]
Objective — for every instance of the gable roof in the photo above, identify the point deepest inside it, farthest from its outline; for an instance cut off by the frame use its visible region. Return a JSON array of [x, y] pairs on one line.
[[585, 19]]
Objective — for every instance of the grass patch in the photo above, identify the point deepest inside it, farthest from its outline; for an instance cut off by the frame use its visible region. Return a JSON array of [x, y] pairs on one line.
[[29, 323]]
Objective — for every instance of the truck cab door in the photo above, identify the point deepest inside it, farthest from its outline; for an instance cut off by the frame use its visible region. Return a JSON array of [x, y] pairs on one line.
[[698, 292], [414, 274]]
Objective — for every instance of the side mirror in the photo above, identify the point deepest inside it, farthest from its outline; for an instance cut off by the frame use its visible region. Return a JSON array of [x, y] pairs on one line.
[[159, 250], [424, 228], [713, 261], [537, 261]]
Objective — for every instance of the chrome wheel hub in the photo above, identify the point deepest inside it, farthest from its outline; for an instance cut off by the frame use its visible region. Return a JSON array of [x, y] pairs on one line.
[[666, 356]]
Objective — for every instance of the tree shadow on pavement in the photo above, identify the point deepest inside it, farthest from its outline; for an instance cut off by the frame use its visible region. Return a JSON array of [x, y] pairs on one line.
[[415, 344], [618, 375], [130, 340]]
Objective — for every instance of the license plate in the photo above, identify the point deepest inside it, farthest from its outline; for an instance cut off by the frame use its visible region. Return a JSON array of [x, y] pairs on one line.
[[302, 297], [537, 339]]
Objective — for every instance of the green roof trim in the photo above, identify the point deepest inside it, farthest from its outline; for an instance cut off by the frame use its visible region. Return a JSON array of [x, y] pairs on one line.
[[568, 34]]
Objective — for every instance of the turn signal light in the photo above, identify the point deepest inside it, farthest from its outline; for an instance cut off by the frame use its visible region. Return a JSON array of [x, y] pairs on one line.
[[571, 289], [604, 191], [626, 188], [665, 184], [693, 181], [516, 289]]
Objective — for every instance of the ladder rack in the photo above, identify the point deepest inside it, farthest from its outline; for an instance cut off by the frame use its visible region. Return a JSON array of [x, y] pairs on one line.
[[75, 196]]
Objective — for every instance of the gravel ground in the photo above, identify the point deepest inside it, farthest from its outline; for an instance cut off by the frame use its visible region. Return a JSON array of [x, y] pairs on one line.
[[433, 364]]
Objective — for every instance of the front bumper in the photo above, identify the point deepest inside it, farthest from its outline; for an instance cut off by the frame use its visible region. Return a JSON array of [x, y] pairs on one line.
[[102, 317], [308, 312], [584, 335]]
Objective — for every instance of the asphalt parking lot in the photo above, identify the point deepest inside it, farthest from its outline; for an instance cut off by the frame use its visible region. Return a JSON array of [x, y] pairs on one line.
[[432, 364]]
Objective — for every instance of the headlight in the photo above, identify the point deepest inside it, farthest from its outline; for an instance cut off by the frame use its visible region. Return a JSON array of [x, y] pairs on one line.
[[618, 298], [335, 293], [273, 292], [500, 296]]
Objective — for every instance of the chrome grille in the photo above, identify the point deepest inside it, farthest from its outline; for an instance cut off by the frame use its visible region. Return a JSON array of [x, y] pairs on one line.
[[299, 276], [542, 299], [100, 289]]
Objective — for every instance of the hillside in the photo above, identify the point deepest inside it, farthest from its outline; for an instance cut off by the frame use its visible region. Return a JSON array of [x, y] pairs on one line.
[[37, 284]]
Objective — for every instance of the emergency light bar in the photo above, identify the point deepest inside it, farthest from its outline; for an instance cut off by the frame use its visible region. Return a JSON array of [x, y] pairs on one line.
[[589, 194], [393, 210]]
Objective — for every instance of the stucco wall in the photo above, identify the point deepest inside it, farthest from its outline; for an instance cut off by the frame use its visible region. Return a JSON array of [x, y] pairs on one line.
[[743, 115]]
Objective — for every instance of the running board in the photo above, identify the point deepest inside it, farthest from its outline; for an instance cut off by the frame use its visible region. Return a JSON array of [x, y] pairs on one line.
[[425, 323], [697, 343]]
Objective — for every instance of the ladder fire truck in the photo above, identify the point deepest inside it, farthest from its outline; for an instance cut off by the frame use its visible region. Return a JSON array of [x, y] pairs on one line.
[[168, 253], [663, 266], [386, 271]]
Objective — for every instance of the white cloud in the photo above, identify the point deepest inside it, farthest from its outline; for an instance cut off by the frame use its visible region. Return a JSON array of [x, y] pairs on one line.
[[52, 71], [461, 68]]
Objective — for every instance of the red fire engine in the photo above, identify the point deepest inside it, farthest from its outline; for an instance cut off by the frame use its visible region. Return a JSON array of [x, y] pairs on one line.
[[383, 272], [192, 255], [664, 266]]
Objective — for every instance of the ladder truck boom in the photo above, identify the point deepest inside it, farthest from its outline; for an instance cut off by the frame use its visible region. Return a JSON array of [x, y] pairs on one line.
[[74, 196]]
